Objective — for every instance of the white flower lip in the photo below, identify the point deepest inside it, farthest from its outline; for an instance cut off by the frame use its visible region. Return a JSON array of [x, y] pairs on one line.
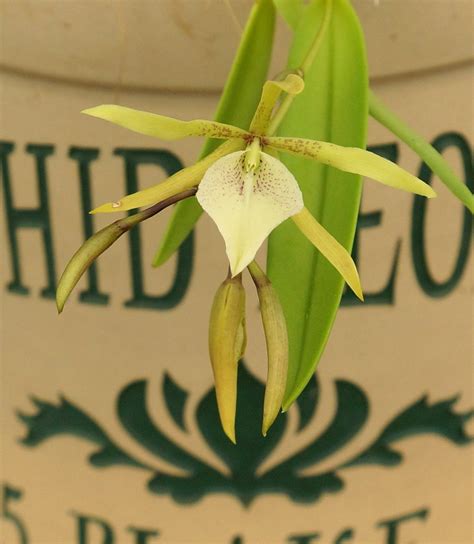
[[247, 206]]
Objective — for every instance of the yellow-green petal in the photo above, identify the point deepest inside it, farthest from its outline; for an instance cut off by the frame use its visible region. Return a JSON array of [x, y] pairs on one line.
[[356, 161], [292, 84], [160, 126], [179, 182], [334, 252], [247, 205]]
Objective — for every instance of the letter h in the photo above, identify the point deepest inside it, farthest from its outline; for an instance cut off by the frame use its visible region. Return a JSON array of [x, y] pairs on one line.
[[36, 218]]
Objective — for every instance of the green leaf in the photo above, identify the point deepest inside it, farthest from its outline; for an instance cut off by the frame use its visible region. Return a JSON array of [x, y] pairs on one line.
[[290, 10], [237, 105], [333, 108]]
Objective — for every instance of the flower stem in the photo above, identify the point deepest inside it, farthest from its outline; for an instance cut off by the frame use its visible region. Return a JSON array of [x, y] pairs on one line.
[[258, 275], [132, 220], [421, 147], [303, 69], [316, 45]]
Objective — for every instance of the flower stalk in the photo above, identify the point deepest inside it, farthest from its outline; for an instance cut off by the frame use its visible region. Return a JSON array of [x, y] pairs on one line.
[[423, 149], [285, 104]]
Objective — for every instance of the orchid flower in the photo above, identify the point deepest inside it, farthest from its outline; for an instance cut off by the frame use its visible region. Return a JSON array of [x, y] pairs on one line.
[[243, 186], [248, 192]]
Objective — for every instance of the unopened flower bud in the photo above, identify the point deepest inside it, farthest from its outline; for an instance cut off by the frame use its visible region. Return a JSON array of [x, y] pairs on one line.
[[102, 240], [276, 337], [227, 340]]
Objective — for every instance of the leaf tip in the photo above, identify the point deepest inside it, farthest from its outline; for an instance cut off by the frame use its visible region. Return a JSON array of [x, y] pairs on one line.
[[158, 259], [161, 257]]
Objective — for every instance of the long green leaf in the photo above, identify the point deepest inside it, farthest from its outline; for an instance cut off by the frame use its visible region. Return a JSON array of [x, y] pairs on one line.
[[237, 105], [291, 11], [333, 107]]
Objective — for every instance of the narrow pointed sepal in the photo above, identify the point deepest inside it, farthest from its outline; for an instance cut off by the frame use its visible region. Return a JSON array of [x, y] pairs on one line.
[[247, 206], [334, 252], [292, 84], [227, 339], [276, 337], [356, 161], [179, 182], [160, 126]]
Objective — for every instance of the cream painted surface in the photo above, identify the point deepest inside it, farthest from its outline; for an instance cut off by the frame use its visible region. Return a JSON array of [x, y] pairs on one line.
[[183, 44]]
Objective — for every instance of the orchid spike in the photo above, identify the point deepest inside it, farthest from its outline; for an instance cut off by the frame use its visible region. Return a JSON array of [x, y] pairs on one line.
[[248, 192]]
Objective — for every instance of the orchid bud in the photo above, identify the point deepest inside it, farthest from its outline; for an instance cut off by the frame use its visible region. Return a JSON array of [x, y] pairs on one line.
[[276, 337], [227, 340], [94, 246]]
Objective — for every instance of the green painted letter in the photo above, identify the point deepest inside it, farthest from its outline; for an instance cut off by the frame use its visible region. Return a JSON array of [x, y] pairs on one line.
[[84, 156], [10, 494], [425, 279], [392, 525], [171, 164], [33, 218], [141, 535], [98, 527]]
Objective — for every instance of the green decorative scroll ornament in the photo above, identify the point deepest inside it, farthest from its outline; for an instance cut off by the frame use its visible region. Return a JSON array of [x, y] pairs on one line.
[[243, 479]]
